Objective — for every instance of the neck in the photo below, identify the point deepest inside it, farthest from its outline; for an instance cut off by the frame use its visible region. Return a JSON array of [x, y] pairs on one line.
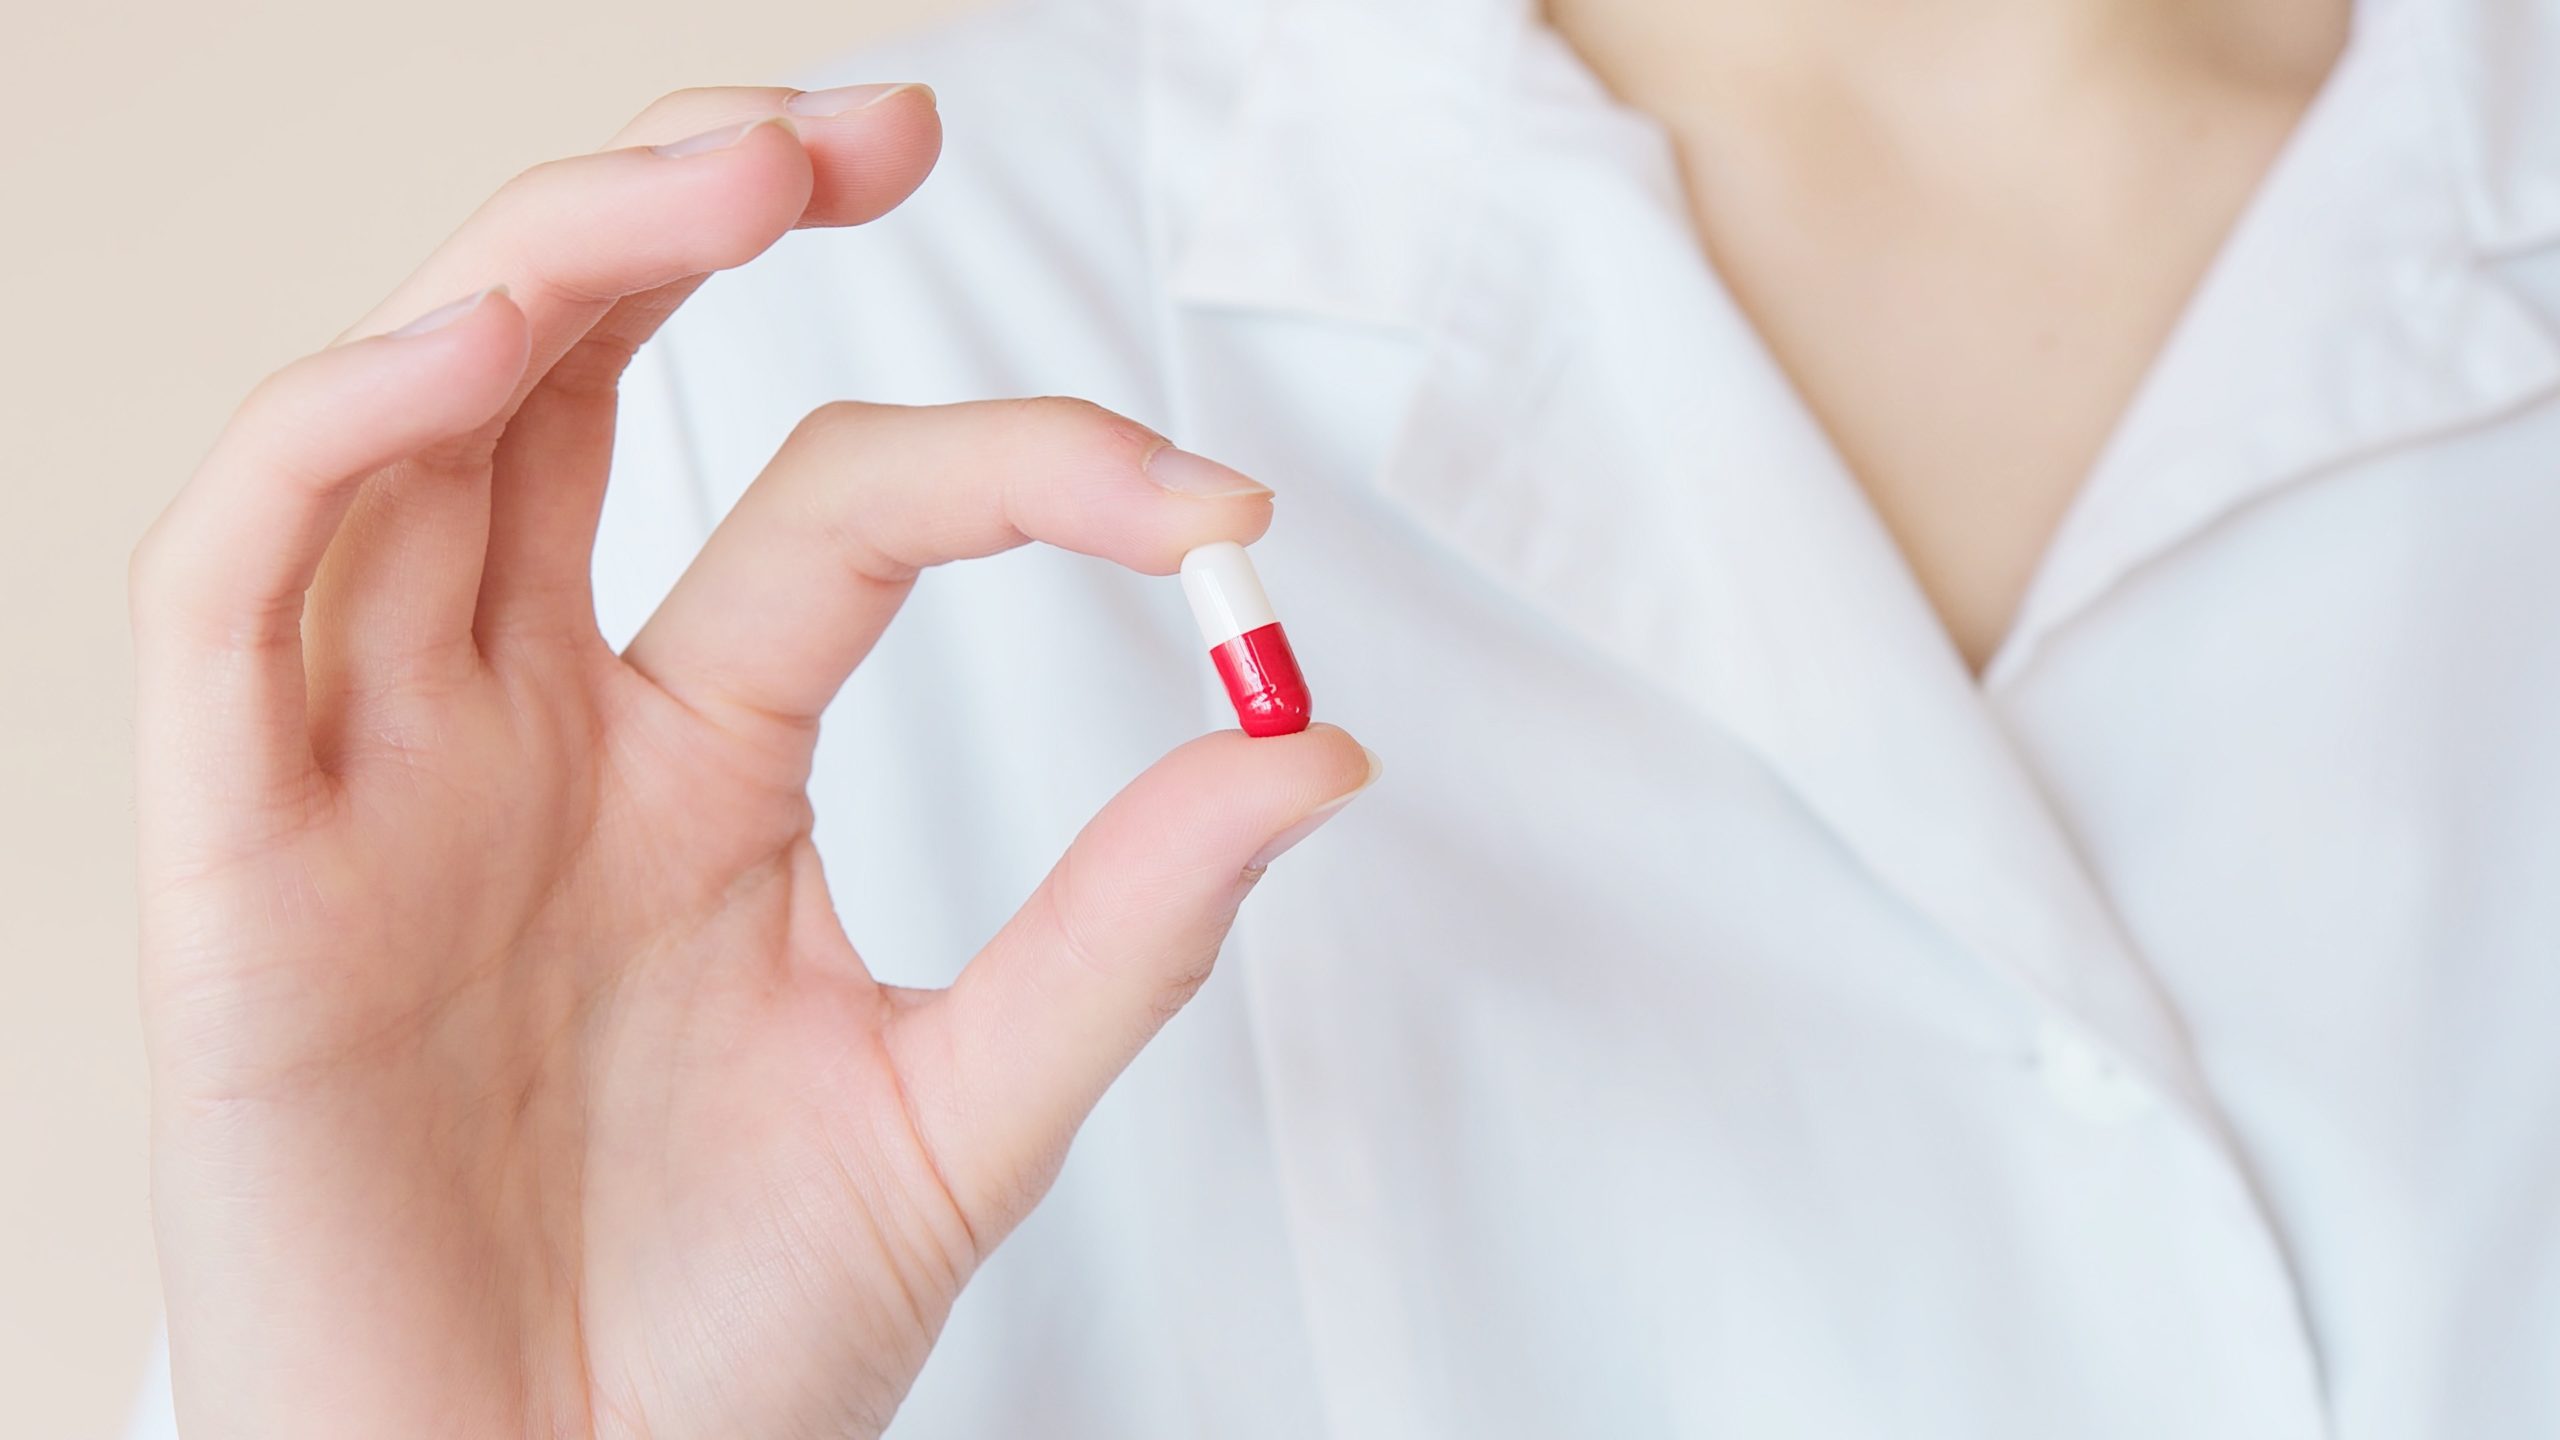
[[1681, 58]]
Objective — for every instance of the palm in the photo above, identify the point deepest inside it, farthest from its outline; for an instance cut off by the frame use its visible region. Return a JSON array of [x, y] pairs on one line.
[[514, 1073], [565, 1115]]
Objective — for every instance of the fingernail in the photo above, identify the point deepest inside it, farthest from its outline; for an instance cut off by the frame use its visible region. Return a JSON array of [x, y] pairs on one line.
[[845, 99], [444, 315], [711, 140], [1314, 819], [1184, 473]]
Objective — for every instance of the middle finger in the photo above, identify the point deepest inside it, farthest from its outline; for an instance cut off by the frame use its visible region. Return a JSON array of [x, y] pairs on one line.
[[393, 604]]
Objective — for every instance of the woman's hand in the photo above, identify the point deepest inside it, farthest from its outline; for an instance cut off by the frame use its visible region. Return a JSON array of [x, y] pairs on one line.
[[512, 1072]]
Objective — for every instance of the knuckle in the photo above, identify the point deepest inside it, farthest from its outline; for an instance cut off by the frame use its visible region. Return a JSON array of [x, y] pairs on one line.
[[683, 97], [839, 415], [537, 175], [803, 488], [541, 197], [1182, 983], [1067, 421], [474, 451], [275, 416], [687, 100], [269, 416], [1163, 983], [1068, 411], [592, 370], [1060, 414], [527, 199], [281, 417], [272, 402], [834, 424]]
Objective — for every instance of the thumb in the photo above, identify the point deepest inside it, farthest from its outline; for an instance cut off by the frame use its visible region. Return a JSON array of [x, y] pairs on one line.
[[1002, 1067]]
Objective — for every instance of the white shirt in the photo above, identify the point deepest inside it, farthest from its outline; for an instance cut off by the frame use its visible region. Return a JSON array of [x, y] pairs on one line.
[[1727, 1018]]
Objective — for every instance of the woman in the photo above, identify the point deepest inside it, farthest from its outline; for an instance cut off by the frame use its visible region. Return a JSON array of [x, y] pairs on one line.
[[1958, 601]]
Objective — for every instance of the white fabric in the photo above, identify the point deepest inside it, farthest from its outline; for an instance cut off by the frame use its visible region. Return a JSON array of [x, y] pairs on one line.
[[1726, 1017]]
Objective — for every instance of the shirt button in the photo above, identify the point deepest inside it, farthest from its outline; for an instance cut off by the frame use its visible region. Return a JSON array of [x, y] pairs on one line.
[[2086, 1080]]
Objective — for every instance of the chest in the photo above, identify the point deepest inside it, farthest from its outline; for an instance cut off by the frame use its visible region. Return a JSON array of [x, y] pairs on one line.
[[1968, 316]]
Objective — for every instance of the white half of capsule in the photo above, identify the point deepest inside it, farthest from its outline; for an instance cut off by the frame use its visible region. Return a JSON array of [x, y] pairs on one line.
[[1226, 596]]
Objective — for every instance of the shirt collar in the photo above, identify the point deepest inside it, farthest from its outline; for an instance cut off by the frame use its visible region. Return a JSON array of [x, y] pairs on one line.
[[1597, 429], [2497, 67], [2356, 306], [1328, 167], [1332, 151]]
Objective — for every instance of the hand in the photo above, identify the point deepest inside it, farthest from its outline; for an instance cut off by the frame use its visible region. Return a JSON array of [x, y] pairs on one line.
[[512, 1073]]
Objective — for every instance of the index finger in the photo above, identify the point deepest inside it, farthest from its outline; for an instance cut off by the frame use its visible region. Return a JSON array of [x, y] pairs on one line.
[[799, 580]]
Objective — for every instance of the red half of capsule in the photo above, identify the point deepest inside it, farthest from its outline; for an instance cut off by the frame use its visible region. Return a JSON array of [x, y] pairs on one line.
[[1262, 678]]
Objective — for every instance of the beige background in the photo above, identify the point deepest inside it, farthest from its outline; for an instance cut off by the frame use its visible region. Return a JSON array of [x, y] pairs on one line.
[[194, 194]]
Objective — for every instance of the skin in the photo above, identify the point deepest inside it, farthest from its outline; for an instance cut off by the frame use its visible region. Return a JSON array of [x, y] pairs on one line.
[[1966, 266], [511, 1071]]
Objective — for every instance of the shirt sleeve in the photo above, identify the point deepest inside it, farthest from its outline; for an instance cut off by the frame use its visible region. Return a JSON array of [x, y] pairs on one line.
[[154, 1416]]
